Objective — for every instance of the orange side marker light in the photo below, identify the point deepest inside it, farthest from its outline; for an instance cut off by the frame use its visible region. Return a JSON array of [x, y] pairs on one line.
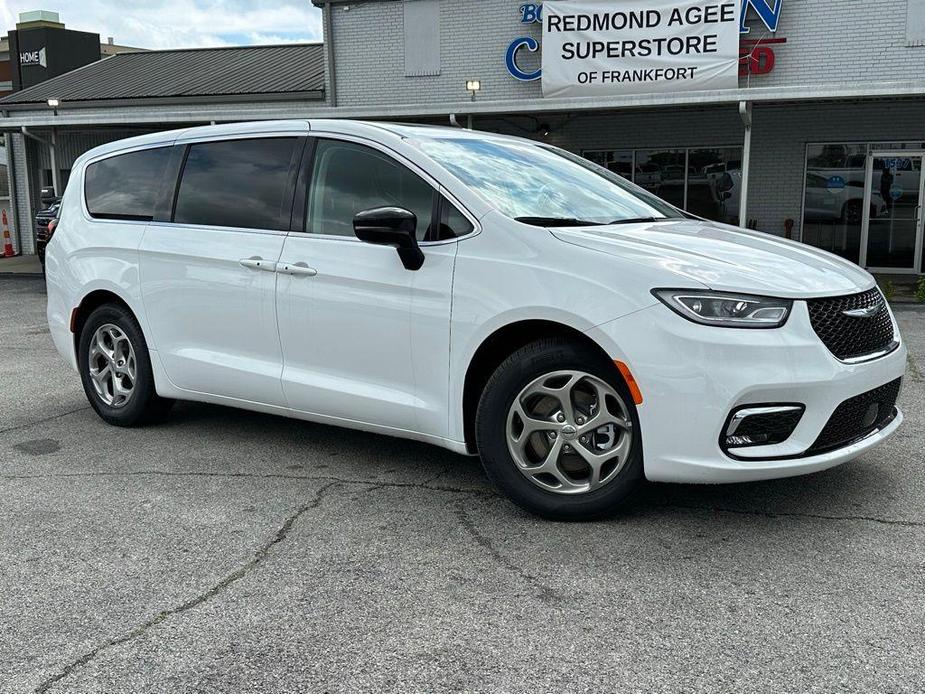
[[630, 381]]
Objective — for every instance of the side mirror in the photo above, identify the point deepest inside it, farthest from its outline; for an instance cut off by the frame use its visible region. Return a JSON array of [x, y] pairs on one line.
[[391, 226]]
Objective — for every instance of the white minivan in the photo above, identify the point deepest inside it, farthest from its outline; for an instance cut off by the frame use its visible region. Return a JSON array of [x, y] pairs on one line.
[[489, 294]]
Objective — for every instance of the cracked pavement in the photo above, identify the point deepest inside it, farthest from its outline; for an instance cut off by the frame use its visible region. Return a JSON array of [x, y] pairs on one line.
[[231, 551]]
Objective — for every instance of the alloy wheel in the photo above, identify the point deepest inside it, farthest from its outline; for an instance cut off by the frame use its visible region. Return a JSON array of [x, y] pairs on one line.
[[113, 367], [569, 432]]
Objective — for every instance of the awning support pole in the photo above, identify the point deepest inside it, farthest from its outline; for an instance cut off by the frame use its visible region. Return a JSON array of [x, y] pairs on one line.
[[52, 149], [55, 175], [745, 111]]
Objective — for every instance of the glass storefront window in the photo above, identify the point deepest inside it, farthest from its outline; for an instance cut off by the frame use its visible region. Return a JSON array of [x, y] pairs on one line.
[[894, 211], [663, 173], [833, 206], [715, 183], [705, 182], [618, 161]]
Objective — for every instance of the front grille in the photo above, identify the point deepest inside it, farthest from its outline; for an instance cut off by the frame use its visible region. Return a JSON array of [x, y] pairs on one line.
[[849, 337], [858, 417]]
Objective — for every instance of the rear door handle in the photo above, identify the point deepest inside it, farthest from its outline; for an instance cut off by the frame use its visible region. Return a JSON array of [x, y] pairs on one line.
[[258, 263], [297, 269]]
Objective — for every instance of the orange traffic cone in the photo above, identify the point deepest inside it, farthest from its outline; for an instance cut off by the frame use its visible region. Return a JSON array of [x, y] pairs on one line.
[[8, 251]]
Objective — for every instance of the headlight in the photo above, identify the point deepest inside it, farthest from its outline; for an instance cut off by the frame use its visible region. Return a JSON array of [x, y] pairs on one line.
[[726, 310]]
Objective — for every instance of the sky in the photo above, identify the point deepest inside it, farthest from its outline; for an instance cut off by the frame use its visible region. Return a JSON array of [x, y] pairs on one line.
[[180, 23]]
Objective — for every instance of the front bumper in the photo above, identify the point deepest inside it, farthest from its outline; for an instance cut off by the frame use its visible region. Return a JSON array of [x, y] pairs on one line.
[[692, 376]]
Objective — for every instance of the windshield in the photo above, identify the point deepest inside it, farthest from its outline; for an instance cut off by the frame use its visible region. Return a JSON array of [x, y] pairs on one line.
[[542, 185]]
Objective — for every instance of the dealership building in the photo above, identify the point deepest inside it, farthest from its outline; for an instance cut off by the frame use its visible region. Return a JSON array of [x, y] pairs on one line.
[[802, 119]]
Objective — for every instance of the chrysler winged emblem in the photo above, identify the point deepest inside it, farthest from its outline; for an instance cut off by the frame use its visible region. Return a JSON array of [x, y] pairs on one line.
[[868, 312]]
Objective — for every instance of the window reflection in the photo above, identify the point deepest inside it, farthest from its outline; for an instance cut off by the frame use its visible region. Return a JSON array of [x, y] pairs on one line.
[[894, 214], [126, 186], [349, 178], [706, 182], [833, 208], [618, 161], [714, 183], [663, 172], [526, 180], [236, 183]]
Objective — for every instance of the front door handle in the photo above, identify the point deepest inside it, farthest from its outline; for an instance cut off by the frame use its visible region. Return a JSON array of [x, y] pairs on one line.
[[258, 263], [297, 269]]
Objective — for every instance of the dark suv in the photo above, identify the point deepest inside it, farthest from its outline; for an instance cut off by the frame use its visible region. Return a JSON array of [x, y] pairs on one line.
[[45, 222]]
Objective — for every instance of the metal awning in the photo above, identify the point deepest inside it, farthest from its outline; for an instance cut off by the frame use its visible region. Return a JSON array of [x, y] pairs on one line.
[[230, 107]]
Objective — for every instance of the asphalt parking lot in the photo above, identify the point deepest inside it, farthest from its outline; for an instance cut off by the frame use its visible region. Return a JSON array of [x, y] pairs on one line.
[[230, 551]]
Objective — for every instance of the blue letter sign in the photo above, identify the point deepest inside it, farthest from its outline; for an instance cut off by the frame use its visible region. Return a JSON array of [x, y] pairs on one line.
[[768, 10], [531, 13], [531, 44]]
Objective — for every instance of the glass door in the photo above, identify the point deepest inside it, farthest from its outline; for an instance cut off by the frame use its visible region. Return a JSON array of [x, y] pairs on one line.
[[891, 238]]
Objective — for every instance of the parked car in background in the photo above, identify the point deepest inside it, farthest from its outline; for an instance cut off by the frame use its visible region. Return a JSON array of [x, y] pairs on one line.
[[488, 294], [839, 203], [649, 175], [45, 222]]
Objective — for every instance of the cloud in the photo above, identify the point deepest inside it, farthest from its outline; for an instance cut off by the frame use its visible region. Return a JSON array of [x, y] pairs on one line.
[[183, 23]]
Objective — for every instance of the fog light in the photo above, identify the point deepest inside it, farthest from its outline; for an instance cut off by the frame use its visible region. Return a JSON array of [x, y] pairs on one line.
[[761, 425], [751, 440]]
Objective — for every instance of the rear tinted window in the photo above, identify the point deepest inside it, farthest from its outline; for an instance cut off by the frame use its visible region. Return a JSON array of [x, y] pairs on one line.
[[237, 183], [126, 186]]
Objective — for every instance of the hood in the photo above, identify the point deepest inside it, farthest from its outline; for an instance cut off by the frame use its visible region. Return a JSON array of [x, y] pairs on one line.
[[725, 258]]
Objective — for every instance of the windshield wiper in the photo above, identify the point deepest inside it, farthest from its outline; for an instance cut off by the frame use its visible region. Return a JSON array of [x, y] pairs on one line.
[[557, 222], [643, 220]]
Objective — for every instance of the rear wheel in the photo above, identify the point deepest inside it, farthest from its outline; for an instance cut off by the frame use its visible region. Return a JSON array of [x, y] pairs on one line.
[[851, 213], [115, 368], [558, 432]]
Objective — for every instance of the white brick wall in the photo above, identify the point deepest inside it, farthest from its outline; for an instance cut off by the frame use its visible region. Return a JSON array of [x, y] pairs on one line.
[[21, 226], [828, 42], [369, 53]]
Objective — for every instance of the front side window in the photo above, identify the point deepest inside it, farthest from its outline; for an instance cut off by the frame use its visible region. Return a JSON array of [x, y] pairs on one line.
[[541, 185], [126, 186], [348, 178], [237, 183]]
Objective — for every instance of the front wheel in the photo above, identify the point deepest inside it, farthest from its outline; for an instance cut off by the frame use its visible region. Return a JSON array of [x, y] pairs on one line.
[[558, 432], [115, 368]]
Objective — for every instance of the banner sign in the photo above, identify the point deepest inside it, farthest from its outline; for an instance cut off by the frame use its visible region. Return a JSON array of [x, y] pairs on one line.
[[639, 46]]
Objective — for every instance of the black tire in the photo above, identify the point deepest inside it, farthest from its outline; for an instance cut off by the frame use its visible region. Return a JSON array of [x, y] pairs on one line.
[[511, 377], [143, 406]]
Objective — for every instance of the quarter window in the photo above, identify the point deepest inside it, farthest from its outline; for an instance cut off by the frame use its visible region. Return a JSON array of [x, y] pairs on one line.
[[237, 183], [348, 178], [453, 223], [126, 186]]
